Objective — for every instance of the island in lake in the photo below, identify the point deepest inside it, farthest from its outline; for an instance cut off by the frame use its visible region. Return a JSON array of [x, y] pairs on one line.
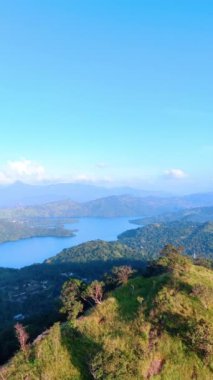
[[13, 230]]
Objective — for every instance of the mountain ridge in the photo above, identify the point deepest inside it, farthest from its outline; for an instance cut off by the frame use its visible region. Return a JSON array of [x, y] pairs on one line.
[[110, 206], [20, 193]]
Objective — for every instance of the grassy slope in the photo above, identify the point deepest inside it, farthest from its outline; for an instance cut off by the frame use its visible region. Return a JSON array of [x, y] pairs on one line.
[[124, 339]]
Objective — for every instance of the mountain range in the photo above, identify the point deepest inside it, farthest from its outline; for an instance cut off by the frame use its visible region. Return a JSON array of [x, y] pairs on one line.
[[22, 194], [109, 206]]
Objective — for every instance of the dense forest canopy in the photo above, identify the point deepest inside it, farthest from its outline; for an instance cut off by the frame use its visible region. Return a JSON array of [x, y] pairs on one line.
[[197, 238]]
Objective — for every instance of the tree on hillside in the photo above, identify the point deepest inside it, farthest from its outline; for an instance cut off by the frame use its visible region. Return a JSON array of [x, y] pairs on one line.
[[122, 274], [173, 260], [22, 337], [95, 292], [169, 249], [199, 334], [71, 297]]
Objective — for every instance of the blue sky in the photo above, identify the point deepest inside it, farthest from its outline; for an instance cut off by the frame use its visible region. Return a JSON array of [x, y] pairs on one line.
[[112, 91]]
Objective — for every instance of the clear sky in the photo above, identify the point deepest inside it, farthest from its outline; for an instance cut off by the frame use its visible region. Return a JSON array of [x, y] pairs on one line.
[[110, 91]]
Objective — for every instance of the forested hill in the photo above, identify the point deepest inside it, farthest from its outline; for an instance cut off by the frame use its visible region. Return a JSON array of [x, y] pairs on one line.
[[96, 251], [157, 327], [149, 240], [142, 244]]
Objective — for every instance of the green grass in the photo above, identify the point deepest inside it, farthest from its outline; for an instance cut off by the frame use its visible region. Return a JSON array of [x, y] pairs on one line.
[[122, 339]]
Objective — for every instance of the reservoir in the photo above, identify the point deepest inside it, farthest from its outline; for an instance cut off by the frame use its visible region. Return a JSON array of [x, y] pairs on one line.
[[35, 250]]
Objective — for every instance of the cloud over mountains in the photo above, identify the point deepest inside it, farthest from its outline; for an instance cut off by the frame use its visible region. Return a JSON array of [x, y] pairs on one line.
[[175, 174], [22, 170]]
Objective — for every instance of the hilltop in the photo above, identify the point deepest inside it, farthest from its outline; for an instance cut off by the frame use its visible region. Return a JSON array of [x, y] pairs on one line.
[[154, 327], [95, 251]]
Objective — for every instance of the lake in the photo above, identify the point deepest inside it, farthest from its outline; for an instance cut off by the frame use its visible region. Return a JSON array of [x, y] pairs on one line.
[[35, 250]]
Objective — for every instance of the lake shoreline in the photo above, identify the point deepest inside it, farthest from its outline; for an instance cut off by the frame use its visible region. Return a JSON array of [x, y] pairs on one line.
[[73, 234], [24, 252]]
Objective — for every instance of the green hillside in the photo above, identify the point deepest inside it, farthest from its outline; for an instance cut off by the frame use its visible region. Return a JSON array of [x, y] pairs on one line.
[[156, 327], [95, 250], [149, 240], [142, 244]]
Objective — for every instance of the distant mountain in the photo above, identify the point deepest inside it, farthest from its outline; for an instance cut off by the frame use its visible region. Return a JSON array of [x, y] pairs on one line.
[[199, 200], [194, 200], [21, 194], [112, 206], [81, 200], [126, 205], [198, 214]]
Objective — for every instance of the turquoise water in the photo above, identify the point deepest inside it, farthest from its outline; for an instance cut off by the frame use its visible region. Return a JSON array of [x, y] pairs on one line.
[[36, 250]]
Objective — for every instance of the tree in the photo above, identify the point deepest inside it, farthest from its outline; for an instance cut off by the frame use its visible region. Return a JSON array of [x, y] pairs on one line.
[[22, 337], [122, 273], [172, 259], [95, 292], [169, 249], [71, 297], [200, 336]]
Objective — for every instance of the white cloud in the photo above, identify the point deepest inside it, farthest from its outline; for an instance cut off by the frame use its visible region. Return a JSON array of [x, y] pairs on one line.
[[175, 174], [22, 170], [89, 178], [26, 168]]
